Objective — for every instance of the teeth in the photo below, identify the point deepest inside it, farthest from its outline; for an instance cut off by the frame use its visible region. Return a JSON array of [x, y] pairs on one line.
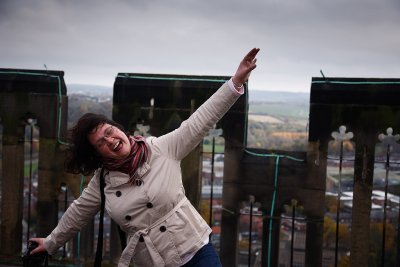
[[116, 144]]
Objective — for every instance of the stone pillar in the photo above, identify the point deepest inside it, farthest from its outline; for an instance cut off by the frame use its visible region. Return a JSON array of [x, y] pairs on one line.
[[232, 197], [314, 241], [30, 94], [229, 231], [362, 192], [316, 165], [191, 176], [12, 194], [50, 174]]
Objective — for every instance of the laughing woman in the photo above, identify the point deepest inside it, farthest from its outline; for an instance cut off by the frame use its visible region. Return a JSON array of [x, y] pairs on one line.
[[143, 184]]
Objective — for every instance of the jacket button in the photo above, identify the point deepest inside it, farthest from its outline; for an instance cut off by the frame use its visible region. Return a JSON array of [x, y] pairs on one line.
[[163, 228], [138, 182], [128, 217], [149, 205], [141, 239], [118, 193]]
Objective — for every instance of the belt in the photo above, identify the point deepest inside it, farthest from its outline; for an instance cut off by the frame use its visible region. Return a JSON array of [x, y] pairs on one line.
[[127, 254]]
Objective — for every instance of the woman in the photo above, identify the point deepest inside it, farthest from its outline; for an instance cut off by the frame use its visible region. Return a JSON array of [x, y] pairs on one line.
[[144, 191]]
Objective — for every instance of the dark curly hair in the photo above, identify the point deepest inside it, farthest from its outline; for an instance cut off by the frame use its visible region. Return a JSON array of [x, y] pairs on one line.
[[82, 157]]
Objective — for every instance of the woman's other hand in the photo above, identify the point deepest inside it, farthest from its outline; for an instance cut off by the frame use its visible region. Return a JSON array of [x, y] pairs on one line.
[[40, 247], [245, 67]]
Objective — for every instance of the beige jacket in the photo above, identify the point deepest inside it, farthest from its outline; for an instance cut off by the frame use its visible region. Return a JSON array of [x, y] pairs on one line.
[[162, 226]]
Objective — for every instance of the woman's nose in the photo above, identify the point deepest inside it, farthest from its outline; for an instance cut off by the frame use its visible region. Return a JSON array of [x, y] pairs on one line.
[[108, 139]]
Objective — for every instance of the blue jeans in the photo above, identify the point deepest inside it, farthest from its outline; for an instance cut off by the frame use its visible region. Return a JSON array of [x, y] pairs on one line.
[[205, 257]]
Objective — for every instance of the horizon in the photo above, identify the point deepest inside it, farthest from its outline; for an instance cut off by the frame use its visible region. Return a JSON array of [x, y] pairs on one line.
[[111, 88]]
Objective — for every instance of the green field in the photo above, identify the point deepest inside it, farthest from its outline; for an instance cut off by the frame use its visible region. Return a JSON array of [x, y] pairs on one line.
[[217, 149], [296, 111]]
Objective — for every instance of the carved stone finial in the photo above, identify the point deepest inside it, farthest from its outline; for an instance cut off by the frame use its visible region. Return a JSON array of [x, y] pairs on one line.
[[342, 135], [389, 138]]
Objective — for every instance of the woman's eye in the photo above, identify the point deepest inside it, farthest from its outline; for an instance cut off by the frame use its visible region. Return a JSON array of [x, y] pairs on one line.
[[109, 132]]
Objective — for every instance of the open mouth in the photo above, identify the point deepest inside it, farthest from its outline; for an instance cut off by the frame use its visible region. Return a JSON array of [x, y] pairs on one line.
[[117, 146]]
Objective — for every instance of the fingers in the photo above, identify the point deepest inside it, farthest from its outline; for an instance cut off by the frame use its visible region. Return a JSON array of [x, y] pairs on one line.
[[252, 54], [36, 240], [253, 65], [40, 247], [36, 250]]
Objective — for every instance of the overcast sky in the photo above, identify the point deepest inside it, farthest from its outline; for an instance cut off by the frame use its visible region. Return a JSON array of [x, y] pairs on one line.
[[94, 40]]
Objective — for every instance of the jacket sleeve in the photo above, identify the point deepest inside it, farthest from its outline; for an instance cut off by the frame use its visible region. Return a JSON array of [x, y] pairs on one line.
[[178, 143], [77, 215]]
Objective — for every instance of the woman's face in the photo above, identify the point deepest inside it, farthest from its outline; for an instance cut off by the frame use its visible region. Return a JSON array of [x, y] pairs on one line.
[[110, 141]]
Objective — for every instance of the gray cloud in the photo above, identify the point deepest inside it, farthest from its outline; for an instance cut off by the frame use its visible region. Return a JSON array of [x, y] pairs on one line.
[[93, 40]]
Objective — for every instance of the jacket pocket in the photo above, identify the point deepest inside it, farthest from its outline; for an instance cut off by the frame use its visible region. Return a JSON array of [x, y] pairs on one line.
[[187, 229]]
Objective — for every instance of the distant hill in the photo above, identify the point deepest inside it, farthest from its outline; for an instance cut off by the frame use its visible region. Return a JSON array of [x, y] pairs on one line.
[[278, 97], [270, 103], [89, 89], [280, 104], [254, 95]]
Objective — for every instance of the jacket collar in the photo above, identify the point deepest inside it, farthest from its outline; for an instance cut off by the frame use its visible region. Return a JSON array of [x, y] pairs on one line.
[[117, 178]]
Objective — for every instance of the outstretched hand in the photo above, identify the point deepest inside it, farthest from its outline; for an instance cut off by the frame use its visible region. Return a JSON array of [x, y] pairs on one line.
[[40, 247], [245, 67]]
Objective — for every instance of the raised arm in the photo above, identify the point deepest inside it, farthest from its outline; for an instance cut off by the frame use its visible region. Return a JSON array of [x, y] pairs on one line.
[[181, 141]]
